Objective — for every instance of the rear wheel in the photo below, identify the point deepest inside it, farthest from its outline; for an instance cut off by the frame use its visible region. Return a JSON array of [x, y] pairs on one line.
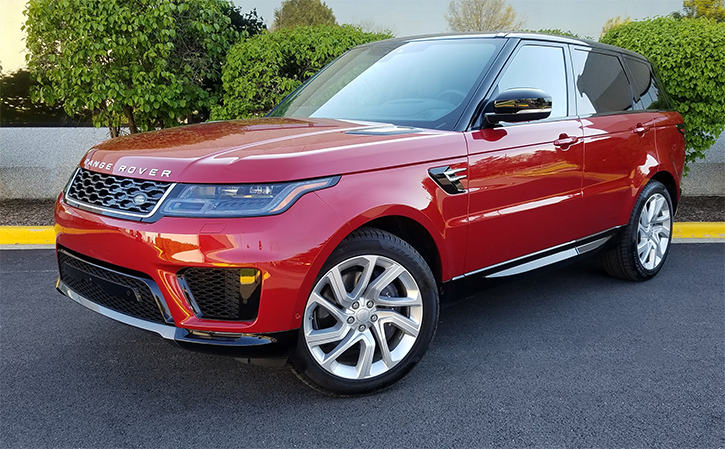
[[370, 316], [645, 241]]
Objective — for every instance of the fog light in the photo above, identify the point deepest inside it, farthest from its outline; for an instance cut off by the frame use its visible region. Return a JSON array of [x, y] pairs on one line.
[[248, 276], [248, 282]]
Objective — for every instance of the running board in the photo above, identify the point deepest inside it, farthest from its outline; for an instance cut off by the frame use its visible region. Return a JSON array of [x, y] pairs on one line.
[[544, 257]]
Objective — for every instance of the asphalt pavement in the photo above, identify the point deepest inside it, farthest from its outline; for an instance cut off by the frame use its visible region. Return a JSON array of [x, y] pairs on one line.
[[571, 358]]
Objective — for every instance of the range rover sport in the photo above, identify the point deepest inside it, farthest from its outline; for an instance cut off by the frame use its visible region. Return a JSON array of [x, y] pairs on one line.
[[327, 232]]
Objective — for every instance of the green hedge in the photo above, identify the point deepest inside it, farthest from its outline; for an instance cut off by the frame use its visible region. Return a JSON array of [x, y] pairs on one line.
[[262, 70], [690, 56]]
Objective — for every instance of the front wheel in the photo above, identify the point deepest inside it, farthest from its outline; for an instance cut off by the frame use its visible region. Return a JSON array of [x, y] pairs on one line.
[[645, 242], [370, 316]]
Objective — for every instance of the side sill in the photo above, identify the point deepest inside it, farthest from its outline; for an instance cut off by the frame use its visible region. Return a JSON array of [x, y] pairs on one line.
[[544, 257]]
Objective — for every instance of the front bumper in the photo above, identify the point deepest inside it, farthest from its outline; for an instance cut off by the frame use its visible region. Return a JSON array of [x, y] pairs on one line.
[[277, 345], [288, 250]]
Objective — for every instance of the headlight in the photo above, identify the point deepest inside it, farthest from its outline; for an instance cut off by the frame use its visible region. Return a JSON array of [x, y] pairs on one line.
[[239, 200]]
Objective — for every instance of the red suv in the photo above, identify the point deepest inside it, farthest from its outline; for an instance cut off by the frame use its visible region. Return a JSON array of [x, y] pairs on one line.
[[327, 232]]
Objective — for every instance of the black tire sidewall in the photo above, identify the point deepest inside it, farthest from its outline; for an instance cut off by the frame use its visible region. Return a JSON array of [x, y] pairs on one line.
[[358, 244], [651, 189]]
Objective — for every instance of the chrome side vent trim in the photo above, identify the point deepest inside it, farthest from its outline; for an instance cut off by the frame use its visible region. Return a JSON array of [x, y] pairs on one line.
[[448, 178]]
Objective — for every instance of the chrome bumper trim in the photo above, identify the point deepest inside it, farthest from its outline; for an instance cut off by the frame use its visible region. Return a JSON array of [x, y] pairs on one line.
[[179, 335], [168, 332]]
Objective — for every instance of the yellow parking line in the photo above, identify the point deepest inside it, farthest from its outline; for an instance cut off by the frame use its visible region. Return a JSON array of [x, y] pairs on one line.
[[27, 235], [45, 235], [699, 230]]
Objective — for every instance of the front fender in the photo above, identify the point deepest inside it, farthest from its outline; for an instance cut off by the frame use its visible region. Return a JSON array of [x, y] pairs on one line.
[[407, 192]]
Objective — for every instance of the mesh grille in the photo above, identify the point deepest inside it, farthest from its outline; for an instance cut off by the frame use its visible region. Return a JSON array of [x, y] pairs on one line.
[[216, 292], [115, 192], [110, 289]]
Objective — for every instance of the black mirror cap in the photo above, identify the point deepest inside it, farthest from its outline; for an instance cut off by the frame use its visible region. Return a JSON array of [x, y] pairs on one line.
[[520, 105]]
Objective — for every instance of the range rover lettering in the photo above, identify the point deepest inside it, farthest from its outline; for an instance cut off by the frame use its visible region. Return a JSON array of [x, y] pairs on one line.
[[327, 233]]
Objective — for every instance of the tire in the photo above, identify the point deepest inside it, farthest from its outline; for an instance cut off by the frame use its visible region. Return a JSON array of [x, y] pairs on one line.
[[369, 318], [645, 241]]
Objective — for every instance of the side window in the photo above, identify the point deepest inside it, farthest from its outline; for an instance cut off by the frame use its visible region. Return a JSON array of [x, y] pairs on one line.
[[541, 68], [601, 84], [646, 93]]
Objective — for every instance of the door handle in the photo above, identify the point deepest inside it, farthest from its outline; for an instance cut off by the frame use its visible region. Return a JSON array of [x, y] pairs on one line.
[[640, 129], [564, 141]]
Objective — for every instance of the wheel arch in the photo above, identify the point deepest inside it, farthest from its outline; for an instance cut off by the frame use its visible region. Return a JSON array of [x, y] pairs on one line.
[[416, 235], [670, 184], [404, 222]]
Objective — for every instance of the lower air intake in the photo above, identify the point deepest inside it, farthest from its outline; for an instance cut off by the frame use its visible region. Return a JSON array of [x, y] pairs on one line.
[[230, 294]]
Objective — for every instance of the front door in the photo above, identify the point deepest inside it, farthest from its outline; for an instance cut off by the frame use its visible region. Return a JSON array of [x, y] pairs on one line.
[[525, 178]]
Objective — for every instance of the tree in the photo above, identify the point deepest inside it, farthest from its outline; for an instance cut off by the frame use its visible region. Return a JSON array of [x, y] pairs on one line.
[[147, 63], [294, 13], [690, 55], [482, 15], [249, 23], [710, 9], [613, 23], [264, 69]]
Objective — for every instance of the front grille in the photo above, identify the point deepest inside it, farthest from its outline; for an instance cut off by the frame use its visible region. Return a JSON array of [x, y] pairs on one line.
[[216, 293], [111, 289], [137, 197]]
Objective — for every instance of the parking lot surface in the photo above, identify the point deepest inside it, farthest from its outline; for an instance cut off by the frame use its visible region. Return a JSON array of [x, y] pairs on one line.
[[570, 358]]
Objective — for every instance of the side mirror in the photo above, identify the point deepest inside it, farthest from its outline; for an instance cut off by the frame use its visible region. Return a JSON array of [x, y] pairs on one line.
[[519, 105]]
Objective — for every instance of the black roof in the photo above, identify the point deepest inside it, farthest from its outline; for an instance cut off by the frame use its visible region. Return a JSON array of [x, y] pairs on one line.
[[515, 35]]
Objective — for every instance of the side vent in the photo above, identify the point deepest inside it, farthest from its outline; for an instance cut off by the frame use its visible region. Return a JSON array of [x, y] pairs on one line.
[[448, 178]]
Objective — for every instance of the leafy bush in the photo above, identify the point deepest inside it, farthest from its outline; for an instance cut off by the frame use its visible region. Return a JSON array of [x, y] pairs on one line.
[[18, 110], [262, 70], [690, 55], [557, 32]]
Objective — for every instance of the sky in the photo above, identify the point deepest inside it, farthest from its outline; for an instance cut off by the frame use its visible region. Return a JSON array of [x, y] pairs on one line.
[[412, 17], [402, 17]]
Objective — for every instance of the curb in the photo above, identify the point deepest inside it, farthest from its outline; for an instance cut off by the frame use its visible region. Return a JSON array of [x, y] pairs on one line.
[[45, 235]]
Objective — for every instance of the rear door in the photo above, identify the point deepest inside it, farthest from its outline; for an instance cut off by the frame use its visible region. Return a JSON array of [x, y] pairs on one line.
[[667, 125], [619, 139]]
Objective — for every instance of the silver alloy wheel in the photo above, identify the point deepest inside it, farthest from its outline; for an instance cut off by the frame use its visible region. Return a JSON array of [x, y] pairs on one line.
[[363, 317], [653, 231]]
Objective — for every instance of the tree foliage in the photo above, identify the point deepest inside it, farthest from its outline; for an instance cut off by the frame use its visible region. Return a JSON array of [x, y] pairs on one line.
[[143, 62], [709, 9], [482, 15], [690, 55], [613, 23], [264, 69], [249, 23], [295, 13]]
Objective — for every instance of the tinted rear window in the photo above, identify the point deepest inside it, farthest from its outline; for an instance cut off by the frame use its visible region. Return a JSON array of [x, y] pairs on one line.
[[646, 93], [602, 86]]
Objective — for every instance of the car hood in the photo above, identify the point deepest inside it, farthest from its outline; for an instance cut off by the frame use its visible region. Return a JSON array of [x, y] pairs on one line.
[[268, 150]]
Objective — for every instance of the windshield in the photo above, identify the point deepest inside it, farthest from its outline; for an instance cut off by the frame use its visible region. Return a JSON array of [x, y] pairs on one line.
[[424, 84]]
